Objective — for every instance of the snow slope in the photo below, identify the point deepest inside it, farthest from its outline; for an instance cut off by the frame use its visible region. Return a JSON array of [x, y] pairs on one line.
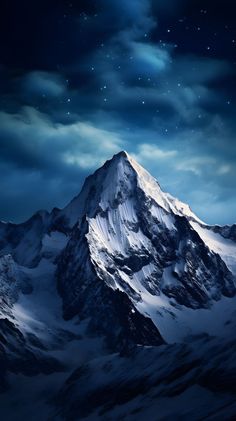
[[226, 248]]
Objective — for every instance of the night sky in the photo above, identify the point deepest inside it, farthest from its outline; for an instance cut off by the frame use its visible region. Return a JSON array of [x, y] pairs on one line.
[[82, 80]]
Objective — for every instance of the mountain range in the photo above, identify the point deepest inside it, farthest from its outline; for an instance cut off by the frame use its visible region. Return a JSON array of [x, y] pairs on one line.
[[119, 306]]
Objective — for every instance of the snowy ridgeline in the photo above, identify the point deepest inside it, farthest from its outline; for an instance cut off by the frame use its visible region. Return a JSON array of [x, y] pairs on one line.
[[112, 288]]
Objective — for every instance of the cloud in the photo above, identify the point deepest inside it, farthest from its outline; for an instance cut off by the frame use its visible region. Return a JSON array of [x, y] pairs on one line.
[[147, 152], [29, 138], [134, 16], [106, 143], [197, 165], [43, 84], [148, 58], [37, 154], [224, 169]]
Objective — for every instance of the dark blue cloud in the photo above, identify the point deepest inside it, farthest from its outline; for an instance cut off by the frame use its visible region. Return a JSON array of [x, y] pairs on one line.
[[43, 84]]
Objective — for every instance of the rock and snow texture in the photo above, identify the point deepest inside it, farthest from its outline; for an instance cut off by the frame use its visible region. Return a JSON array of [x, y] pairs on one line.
[[124, 264], [219, 243], [132, 237]]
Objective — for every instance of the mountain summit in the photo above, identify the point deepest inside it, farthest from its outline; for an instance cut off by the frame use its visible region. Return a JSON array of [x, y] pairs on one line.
[[119, 178]]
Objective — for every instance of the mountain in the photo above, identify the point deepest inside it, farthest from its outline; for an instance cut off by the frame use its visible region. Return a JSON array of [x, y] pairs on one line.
[[138, 240], [124, 266]]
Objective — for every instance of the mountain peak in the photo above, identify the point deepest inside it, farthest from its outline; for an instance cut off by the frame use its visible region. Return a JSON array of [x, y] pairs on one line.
[[118, 179], [122, 153], [121, 156]]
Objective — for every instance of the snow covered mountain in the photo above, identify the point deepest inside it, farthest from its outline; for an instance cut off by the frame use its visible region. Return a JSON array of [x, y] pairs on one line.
[[124, 264], [129, 236]]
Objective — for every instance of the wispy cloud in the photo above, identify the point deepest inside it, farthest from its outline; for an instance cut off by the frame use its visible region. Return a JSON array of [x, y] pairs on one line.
[[43, 84], [147, 152]]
